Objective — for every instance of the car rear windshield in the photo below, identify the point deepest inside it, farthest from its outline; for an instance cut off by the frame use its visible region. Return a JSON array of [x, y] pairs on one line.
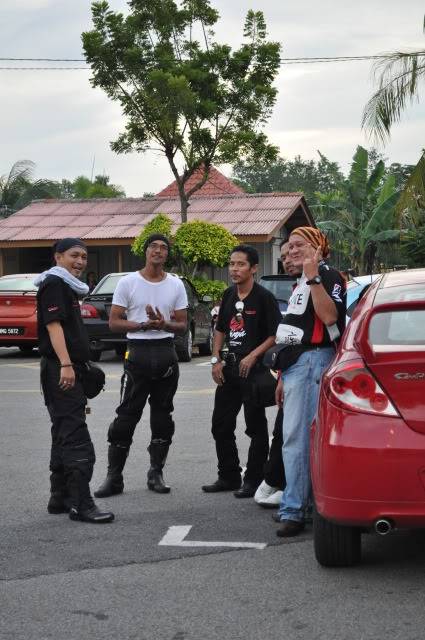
[[281, 289], [108, 285], [399, 327], [17, 284]]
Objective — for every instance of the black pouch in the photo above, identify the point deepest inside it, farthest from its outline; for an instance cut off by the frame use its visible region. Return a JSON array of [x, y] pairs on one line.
[[262, 388], [92, 378], [282, 356]]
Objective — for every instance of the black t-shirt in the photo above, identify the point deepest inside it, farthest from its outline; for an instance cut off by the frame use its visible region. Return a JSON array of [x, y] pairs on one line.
[[56, 301], [301, 325], [255, 323]]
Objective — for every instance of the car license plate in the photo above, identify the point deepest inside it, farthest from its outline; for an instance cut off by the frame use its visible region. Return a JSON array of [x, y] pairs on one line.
[[11, 331]]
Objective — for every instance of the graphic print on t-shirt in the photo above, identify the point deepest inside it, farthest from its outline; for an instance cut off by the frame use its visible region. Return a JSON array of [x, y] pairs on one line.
[[237, 331]]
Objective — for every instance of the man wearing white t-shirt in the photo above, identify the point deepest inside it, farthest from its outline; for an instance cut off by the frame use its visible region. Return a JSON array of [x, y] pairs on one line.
[[150, 305]]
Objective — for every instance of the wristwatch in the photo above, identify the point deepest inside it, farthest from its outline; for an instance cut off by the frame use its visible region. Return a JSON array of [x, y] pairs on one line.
[[315, 280], [214, 360]]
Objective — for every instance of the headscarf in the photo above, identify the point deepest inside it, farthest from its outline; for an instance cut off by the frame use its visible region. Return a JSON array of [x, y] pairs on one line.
[[315, 237], [67, 243]]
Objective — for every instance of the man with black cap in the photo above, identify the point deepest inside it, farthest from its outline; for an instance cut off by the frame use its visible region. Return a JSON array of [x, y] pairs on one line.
[[150, 305], [64, 347]]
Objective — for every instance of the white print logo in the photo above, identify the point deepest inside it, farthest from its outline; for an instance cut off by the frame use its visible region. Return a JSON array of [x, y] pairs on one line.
[[287, 334], [299, 299], [336, 292]]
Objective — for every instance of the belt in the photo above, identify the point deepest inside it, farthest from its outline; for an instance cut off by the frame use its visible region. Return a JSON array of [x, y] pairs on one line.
[[147, 341]]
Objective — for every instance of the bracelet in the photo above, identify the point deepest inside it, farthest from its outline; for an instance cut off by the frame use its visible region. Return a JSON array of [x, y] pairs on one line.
[[66, 365]]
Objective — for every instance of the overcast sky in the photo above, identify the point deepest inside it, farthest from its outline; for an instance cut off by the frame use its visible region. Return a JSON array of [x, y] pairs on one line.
[[56, 119]]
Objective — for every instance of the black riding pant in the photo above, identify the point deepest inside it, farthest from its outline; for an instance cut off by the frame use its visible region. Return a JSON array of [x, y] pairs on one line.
[[72, 449], [229, 399], [150, 372]]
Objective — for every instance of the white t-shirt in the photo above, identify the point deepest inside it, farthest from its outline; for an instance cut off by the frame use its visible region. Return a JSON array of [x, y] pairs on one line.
[[134, 292]]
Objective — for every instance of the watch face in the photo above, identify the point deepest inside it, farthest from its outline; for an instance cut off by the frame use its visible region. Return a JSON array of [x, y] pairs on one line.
[[214, 360]]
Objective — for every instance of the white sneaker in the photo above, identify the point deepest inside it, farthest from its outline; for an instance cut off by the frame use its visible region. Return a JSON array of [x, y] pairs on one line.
[[272, 501], [264, 491]]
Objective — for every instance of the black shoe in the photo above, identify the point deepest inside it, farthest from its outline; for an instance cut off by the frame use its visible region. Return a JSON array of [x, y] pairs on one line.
[[276, 517], [221, 485], [110, 487], [156, 481], [58, 504], [92, 515], [247, 490], [290, 528]]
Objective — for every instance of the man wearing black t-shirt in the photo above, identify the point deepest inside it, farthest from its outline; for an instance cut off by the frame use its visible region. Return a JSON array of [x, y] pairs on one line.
[[64, 347], [312, 326], [247, 322]]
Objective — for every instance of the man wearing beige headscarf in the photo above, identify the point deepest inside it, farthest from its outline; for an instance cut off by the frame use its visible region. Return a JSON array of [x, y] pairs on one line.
[[312, 326]]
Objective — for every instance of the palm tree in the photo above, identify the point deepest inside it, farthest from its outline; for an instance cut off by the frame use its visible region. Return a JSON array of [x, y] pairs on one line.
[[18, 188], [366, 215], [400, 75]]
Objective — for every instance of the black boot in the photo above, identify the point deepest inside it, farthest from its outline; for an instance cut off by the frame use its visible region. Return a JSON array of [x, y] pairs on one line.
[[59, 499], [113, 483], [158, 453], [83, 507]]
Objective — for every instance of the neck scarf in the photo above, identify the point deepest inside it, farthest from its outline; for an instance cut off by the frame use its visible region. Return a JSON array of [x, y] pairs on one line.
[[80, 288]]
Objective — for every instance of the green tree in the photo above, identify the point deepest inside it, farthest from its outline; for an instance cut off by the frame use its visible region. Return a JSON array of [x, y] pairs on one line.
[[200, 243], [18, 188], [307, 176], [195, 100], [399, 77], [83, 188], [365, 217]]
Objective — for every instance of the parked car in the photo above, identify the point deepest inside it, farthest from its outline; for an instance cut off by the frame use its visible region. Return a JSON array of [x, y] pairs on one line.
[[95, 312], [355, 287], [368, 439], [18, 311], [281, 287]]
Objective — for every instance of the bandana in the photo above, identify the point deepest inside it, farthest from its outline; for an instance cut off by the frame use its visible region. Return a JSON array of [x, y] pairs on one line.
[[315, 237], [153, 237], [67, 243], [80, 288]]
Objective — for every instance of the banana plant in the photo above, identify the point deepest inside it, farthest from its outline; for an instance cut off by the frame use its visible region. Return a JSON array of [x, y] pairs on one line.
[[367, 216]]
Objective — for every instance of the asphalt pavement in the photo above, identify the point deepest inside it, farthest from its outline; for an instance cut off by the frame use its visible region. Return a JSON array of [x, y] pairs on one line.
[[163, 569]]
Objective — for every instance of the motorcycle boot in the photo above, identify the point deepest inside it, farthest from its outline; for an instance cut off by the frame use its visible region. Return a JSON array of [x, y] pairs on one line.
[[158, 454], [113, 483]]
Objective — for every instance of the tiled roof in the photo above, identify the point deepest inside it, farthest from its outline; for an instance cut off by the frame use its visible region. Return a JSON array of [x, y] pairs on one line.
[[216, 185], [244, 215]]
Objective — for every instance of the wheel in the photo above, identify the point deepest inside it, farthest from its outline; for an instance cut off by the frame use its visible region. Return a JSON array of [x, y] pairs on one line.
[[335, 545], [95, 355], [205, 349], [185, 351], [25, 349]]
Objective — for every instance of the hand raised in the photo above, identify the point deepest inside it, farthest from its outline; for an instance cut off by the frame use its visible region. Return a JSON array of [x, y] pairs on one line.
[[312, 257]]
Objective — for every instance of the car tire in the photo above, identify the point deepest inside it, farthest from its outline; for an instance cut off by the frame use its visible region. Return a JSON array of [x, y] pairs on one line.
[[335, 545], [120, 350], [184, 352], [95, 355], [205, 349], [26, 350]]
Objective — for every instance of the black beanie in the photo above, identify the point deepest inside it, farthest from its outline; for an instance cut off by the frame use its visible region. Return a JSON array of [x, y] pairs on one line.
[[67, 243], [153, 237]]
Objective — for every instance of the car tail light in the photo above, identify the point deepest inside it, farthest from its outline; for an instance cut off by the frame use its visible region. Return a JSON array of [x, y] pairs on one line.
[[352, 385], [89, 311]]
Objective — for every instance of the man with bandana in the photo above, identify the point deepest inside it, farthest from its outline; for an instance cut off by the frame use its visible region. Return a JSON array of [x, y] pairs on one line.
[[150, 306], [311, 328], [64, 349]]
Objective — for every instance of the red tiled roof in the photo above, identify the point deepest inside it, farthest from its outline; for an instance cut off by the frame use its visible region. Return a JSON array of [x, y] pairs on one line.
[[244, 215], [216, 185]]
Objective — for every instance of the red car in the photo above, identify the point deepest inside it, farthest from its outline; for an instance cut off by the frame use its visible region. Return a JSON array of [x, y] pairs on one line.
[[368, 440], [18, 312]]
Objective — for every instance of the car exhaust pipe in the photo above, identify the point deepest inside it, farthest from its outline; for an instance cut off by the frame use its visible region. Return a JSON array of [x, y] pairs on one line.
[[383, 526]]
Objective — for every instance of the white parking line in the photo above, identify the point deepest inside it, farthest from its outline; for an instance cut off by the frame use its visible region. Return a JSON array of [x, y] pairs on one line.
[[175, 537]]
